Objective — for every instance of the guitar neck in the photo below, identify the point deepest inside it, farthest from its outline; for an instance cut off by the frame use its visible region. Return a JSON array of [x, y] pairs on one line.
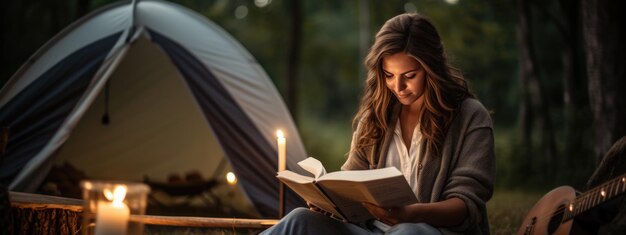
[[595, 197]]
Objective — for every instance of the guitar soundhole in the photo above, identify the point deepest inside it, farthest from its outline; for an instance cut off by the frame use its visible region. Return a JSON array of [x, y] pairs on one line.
[[555, 220]]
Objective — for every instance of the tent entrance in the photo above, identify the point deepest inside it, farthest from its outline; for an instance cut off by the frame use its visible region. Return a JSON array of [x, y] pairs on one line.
[[155, 128]]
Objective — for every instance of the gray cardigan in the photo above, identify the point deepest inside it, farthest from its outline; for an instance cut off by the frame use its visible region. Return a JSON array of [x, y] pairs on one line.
[[466, 168]]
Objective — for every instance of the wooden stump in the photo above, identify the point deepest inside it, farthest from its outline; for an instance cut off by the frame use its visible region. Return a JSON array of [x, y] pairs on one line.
[[45, 221], [39, 214]]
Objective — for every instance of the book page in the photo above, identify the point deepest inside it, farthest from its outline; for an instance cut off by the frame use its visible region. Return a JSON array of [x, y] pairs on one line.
[[314, 166], [385, 187], [351, 208], [362, 175], [295, 177], [305, 187]]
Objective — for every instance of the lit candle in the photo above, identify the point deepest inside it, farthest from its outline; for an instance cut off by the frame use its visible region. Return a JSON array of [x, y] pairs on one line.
[[112, 217], [282, 155]]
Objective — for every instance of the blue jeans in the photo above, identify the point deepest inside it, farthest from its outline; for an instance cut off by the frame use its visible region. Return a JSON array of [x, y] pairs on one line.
[[304, 221]]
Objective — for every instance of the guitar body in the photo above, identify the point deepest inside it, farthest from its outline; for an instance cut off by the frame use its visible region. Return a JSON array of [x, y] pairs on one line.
[[547, 214]]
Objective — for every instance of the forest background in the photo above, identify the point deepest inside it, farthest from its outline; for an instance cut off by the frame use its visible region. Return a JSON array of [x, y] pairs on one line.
[[548, 71]]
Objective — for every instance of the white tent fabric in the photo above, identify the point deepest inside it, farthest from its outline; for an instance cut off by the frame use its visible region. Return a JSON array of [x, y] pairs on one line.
[[168, 69]]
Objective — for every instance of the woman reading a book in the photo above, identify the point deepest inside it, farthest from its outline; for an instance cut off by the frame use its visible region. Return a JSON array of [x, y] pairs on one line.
[[418, 115]]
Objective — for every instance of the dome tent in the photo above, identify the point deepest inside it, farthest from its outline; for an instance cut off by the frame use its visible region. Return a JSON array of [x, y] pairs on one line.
[[180, 94]]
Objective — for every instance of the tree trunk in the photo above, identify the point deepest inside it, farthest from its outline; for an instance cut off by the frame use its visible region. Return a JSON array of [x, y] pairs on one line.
[[525, 112], [576, 113], [574, 95], [293, 57], [603, 29], [534, 93]]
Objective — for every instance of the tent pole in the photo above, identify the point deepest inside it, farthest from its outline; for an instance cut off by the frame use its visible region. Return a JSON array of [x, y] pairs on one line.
[[131, 32]]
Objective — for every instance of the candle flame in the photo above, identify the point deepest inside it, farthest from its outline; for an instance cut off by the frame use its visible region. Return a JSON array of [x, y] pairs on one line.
[[280, 134], [88, 185], [117, 196], [231, 178]]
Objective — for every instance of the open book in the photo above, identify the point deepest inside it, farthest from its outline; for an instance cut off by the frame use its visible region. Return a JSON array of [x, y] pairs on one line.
[[342, 192]]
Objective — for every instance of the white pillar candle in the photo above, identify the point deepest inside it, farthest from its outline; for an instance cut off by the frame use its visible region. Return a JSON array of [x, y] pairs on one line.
[[282, 151], [112, 217]]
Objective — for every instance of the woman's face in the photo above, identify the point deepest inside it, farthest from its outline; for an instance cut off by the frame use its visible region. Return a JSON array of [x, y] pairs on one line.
[[404, 77]]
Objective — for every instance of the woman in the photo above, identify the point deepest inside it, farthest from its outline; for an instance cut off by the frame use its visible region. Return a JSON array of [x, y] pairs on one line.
[[418, 115]]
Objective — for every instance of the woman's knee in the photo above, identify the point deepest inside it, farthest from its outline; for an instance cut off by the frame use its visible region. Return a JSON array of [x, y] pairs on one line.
[[302, 217], [290, 223], [299, 213], [413, 228]]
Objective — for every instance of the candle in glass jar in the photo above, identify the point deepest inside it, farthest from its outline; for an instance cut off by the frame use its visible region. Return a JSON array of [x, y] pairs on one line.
[[282, 155], [112, 214]]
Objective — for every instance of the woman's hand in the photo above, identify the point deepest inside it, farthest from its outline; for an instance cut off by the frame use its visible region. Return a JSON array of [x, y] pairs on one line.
[[390, 216], [446, 213]]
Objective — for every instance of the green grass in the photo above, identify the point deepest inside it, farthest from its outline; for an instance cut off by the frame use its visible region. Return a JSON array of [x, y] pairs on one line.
[[507, 209]]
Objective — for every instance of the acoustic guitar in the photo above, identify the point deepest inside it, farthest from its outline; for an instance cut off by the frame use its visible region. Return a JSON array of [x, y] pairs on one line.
[[554, 213]]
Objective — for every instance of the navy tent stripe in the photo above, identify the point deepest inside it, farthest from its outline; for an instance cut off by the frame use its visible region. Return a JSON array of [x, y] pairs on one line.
[[252, 158], [37, 112]]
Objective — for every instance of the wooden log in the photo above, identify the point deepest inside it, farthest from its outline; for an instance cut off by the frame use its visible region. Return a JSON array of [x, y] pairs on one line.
[[45, 221], [38, 201], [208, 222], [42, 214]]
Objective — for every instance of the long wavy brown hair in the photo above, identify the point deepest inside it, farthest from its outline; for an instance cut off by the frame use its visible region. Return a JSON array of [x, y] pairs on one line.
[[444, 89]]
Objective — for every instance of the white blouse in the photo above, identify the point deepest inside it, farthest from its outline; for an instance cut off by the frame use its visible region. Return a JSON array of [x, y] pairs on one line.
[[405, 161]]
